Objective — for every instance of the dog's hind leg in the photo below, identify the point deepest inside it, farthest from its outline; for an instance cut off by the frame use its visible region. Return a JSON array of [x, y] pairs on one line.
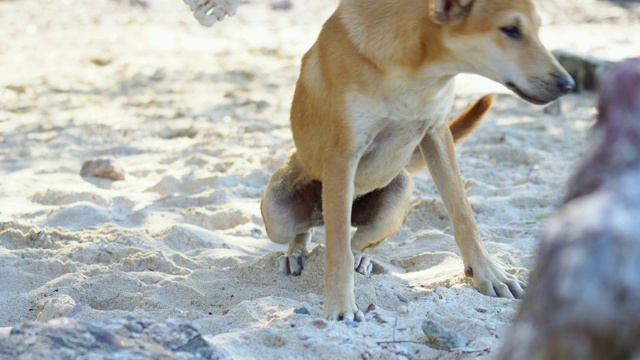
[[378, 215], [292, 262], [291, 207]]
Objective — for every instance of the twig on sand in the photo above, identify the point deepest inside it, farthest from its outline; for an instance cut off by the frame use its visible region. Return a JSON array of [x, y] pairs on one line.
[[395, 325], [460, 349]]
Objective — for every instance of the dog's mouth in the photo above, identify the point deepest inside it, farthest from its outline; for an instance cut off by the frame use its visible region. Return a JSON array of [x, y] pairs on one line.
[[511, 86]]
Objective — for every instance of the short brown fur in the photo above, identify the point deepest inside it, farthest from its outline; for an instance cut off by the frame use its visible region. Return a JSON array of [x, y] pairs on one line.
[[372, 98]]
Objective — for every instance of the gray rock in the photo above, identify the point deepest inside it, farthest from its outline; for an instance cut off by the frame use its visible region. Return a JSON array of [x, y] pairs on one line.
[[122, 338], [351, 323], [583, 68], [281, 5], [440, 337], [302, 310]]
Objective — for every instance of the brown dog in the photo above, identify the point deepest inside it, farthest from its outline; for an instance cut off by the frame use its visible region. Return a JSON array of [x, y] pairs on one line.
[[374, 91]]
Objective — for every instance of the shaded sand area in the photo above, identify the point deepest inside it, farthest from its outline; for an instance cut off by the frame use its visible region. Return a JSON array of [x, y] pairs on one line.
[[198, 119]]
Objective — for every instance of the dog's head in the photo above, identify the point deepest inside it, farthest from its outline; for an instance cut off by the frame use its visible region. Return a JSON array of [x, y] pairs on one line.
[[498, 39]]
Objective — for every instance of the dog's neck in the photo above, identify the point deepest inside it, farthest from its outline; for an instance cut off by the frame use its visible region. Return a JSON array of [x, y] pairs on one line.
[[396, 34]]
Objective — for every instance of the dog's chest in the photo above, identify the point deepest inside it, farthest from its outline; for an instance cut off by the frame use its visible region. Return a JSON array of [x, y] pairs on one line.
[[397, 114], [388, 128], [403, 101]]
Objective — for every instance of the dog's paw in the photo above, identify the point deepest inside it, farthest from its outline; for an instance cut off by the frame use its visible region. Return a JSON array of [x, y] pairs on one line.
[[492, 280], [290, 264], [362, 263], [352, 313]]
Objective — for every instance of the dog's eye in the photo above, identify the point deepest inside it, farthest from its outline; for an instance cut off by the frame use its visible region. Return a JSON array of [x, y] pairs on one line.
[[511, 31]]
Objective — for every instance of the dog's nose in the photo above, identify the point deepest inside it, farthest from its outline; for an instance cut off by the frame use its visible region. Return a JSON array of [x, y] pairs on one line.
[[566, 84]]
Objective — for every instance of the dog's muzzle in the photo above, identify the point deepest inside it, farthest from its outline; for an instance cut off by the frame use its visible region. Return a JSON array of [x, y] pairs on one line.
[[563, 84]]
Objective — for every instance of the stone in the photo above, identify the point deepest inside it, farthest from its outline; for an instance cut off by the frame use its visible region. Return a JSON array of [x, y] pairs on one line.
[[440, 337], [119, 338], [351, 323], [583, 68], [302, 310], [106, 168]]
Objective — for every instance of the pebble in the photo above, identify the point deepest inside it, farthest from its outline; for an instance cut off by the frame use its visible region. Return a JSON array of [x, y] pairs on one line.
[[281, 5], [302, 310], [351, 323], [381, 319], [158, 75], [103, 168], [402, 309], [320, 324], [440, 337], [491, 327]]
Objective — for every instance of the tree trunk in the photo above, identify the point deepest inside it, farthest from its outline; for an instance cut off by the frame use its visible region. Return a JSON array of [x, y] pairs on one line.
[[583, 301]]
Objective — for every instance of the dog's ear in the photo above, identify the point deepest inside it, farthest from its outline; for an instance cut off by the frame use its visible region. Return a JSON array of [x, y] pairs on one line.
[[442, 11]]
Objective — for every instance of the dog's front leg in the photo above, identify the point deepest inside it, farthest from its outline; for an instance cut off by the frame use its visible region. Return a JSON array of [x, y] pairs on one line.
[[487, 275], [337, 197]]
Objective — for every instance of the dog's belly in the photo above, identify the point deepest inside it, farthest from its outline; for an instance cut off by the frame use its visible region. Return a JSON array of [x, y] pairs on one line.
[[388, 154]]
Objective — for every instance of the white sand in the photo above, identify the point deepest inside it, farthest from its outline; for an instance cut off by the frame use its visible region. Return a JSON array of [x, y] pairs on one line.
[[198, 118]]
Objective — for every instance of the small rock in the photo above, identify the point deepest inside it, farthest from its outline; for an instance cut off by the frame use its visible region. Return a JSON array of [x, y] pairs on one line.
[[158, 75], [371, 307], [491, 327], [351, 323], [320, 324], [103, 168], [302, 310], [441, 338], [584, 69], [381, 319], [100, 61], [18, 89], [402, 309], [281, 5]]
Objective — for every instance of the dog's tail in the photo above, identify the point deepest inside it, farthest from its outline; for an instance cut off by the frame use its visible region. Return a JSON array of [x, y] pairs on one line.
[[469, 120], [461, 126]]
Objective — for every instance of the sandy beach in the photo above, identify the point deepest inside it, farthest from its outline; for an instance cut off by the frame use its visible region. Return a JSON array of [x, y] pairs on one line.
[[198, 120]]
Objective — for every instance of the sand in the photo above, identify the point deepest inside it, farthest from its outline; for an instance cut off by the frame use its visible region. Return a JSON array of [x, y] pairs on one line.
[[197, 117]]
